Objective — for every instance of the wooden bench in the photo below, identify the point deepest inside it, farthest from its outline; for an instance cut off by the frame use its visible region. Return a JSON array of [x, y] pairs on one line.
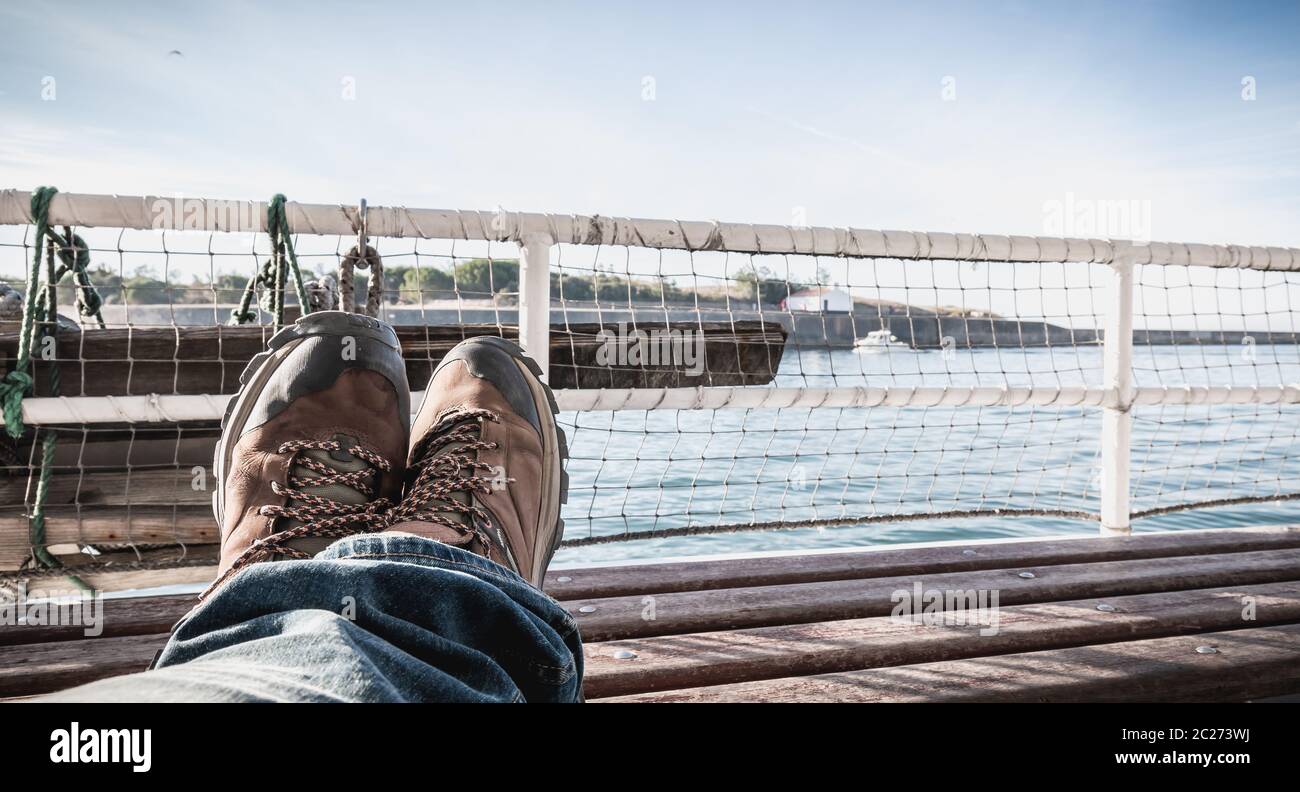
[[1193, 615]]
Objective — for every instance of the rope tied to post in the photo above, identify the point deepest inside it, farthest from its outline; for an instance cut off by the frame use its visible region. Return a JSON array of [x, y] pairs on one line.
[[40, 310], [362, 256], [17, 383], [75, 255], [274, 274], [371, 261]]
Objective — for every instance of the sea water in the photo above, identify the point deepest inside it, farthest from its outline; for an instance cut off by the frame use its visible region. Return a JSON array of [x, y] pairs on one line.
[[635, 471]]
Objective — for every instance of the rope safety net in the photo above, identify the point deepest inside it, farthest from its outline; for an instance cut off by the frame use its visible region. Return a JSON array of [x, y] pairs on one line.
[[857, 399]]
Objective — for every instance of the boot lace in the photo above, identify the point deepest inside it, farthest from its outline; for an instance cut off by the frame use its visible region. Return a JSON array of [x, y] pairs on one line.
[[446, 471], [319, 516]]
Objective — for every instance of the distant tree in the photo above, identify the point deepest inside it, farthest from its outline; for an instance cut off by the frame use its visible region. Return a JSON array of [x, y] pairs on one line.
[[571, 287], [142, 289], [138, 289], [229, 288], [482, 277], [425, 283], [759, 283]]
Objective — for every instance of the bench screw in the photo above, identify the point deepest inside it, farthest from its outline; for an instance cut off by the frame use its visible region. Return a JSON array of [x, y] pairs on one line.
[[1106, 607], [1206, 650], [625, 654], [587, 609], [564, 579], [1026, 575]]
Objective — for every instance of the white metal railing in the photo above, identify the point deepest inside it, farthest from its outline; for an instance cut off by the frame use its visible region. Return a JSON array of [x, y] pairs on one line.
[[208, 214], [537, 233], [1117, 379], [169, 408]]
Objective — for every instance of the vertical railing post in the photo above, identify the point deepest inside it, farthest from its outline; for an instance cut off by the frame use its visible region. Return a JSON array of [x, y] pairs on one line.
[[1117, 376], [535, 297]]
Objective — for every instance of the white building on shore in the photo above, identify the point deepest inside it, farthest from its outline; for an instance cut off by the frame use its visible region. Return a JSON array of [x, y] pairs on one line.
[[819, 299]]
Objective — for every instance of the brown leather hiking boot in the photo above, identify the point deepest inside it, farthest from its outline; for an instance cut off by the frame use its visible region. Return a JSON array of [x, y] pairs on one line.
[[486, 468], [313, 444]]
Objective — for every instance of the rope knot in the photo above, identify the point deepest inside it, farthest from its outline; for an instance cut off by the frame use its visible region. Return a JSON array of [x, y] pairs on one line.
[[367, 260], [13, 389], [275, 272]]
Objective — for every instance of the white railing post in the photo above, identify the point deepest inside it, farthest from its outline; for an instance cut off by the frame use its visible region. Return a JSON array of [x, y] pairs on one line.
[[535, 298], [1117, 380]]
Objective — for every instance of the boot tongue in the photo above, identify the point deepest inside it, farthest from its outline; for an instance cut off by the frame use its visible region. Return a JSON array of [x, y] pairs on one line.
[[339, 460]]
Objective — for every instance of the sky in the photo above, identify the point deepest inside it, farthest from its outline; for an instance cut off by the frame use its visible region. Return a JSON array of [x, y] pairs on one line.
[[981, 117]]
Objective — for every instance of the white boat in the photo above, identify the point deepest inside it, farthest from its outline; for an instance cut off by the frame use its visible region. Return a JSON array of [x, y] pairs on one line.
[[879, 341]]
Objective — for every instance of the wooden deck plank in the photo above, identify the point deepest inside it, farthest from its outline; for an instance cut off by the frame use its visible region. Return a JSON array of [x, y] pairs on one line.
[[884, 562], [125, 579], [729, 609], [803, 628], [623, 617], [717, 658], [191, 523], [587, 583], [43, 668], [121, 617], [1247, 664]]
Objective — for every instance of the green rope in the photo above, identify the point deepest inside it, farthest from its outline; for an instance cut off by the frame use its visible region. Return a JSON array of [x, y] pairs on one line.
[[18, 382], [274, 273], [243, 314], [47, 312], [40, 309], [75, 255]]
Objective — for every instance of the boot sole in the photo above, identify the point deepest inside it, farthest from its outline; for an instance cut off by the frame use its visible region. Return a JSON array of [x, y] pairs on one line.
[[258, 372], [555, 449]]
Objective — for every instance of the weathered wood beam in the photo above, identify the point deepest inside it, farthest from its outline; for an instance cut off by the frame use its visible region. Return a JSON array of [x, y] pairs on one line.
[[109, 525], [629, 580], [712, 666], [616, 618], [208, 360], [718, 658], [1245, 664]]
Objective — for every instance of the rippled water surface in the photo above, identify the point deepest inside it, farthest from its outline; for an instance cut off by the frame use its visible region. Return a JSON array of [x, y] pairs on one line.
[[641, 471]]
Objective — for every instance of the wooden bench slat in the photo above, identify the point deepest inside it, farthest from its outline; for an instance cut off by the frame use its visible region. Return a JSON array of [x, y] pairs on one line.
[[125, 579], [189, 525], [745, 572], [729, 609], [706, 611], [594, 582], [110, 655], [1251, 663], [716, 658], [712, 659], [44, 668], [135, 616]]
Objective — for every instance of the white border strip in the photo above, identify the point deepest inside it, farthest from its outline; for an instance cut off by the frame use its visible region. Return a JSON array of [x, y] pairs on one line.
[[159, 408], [210, 214]]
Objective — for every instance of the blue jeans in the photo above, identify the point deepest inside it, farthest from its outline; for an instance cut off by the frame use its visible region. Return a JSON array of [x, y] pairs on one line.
[[378, 617]]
